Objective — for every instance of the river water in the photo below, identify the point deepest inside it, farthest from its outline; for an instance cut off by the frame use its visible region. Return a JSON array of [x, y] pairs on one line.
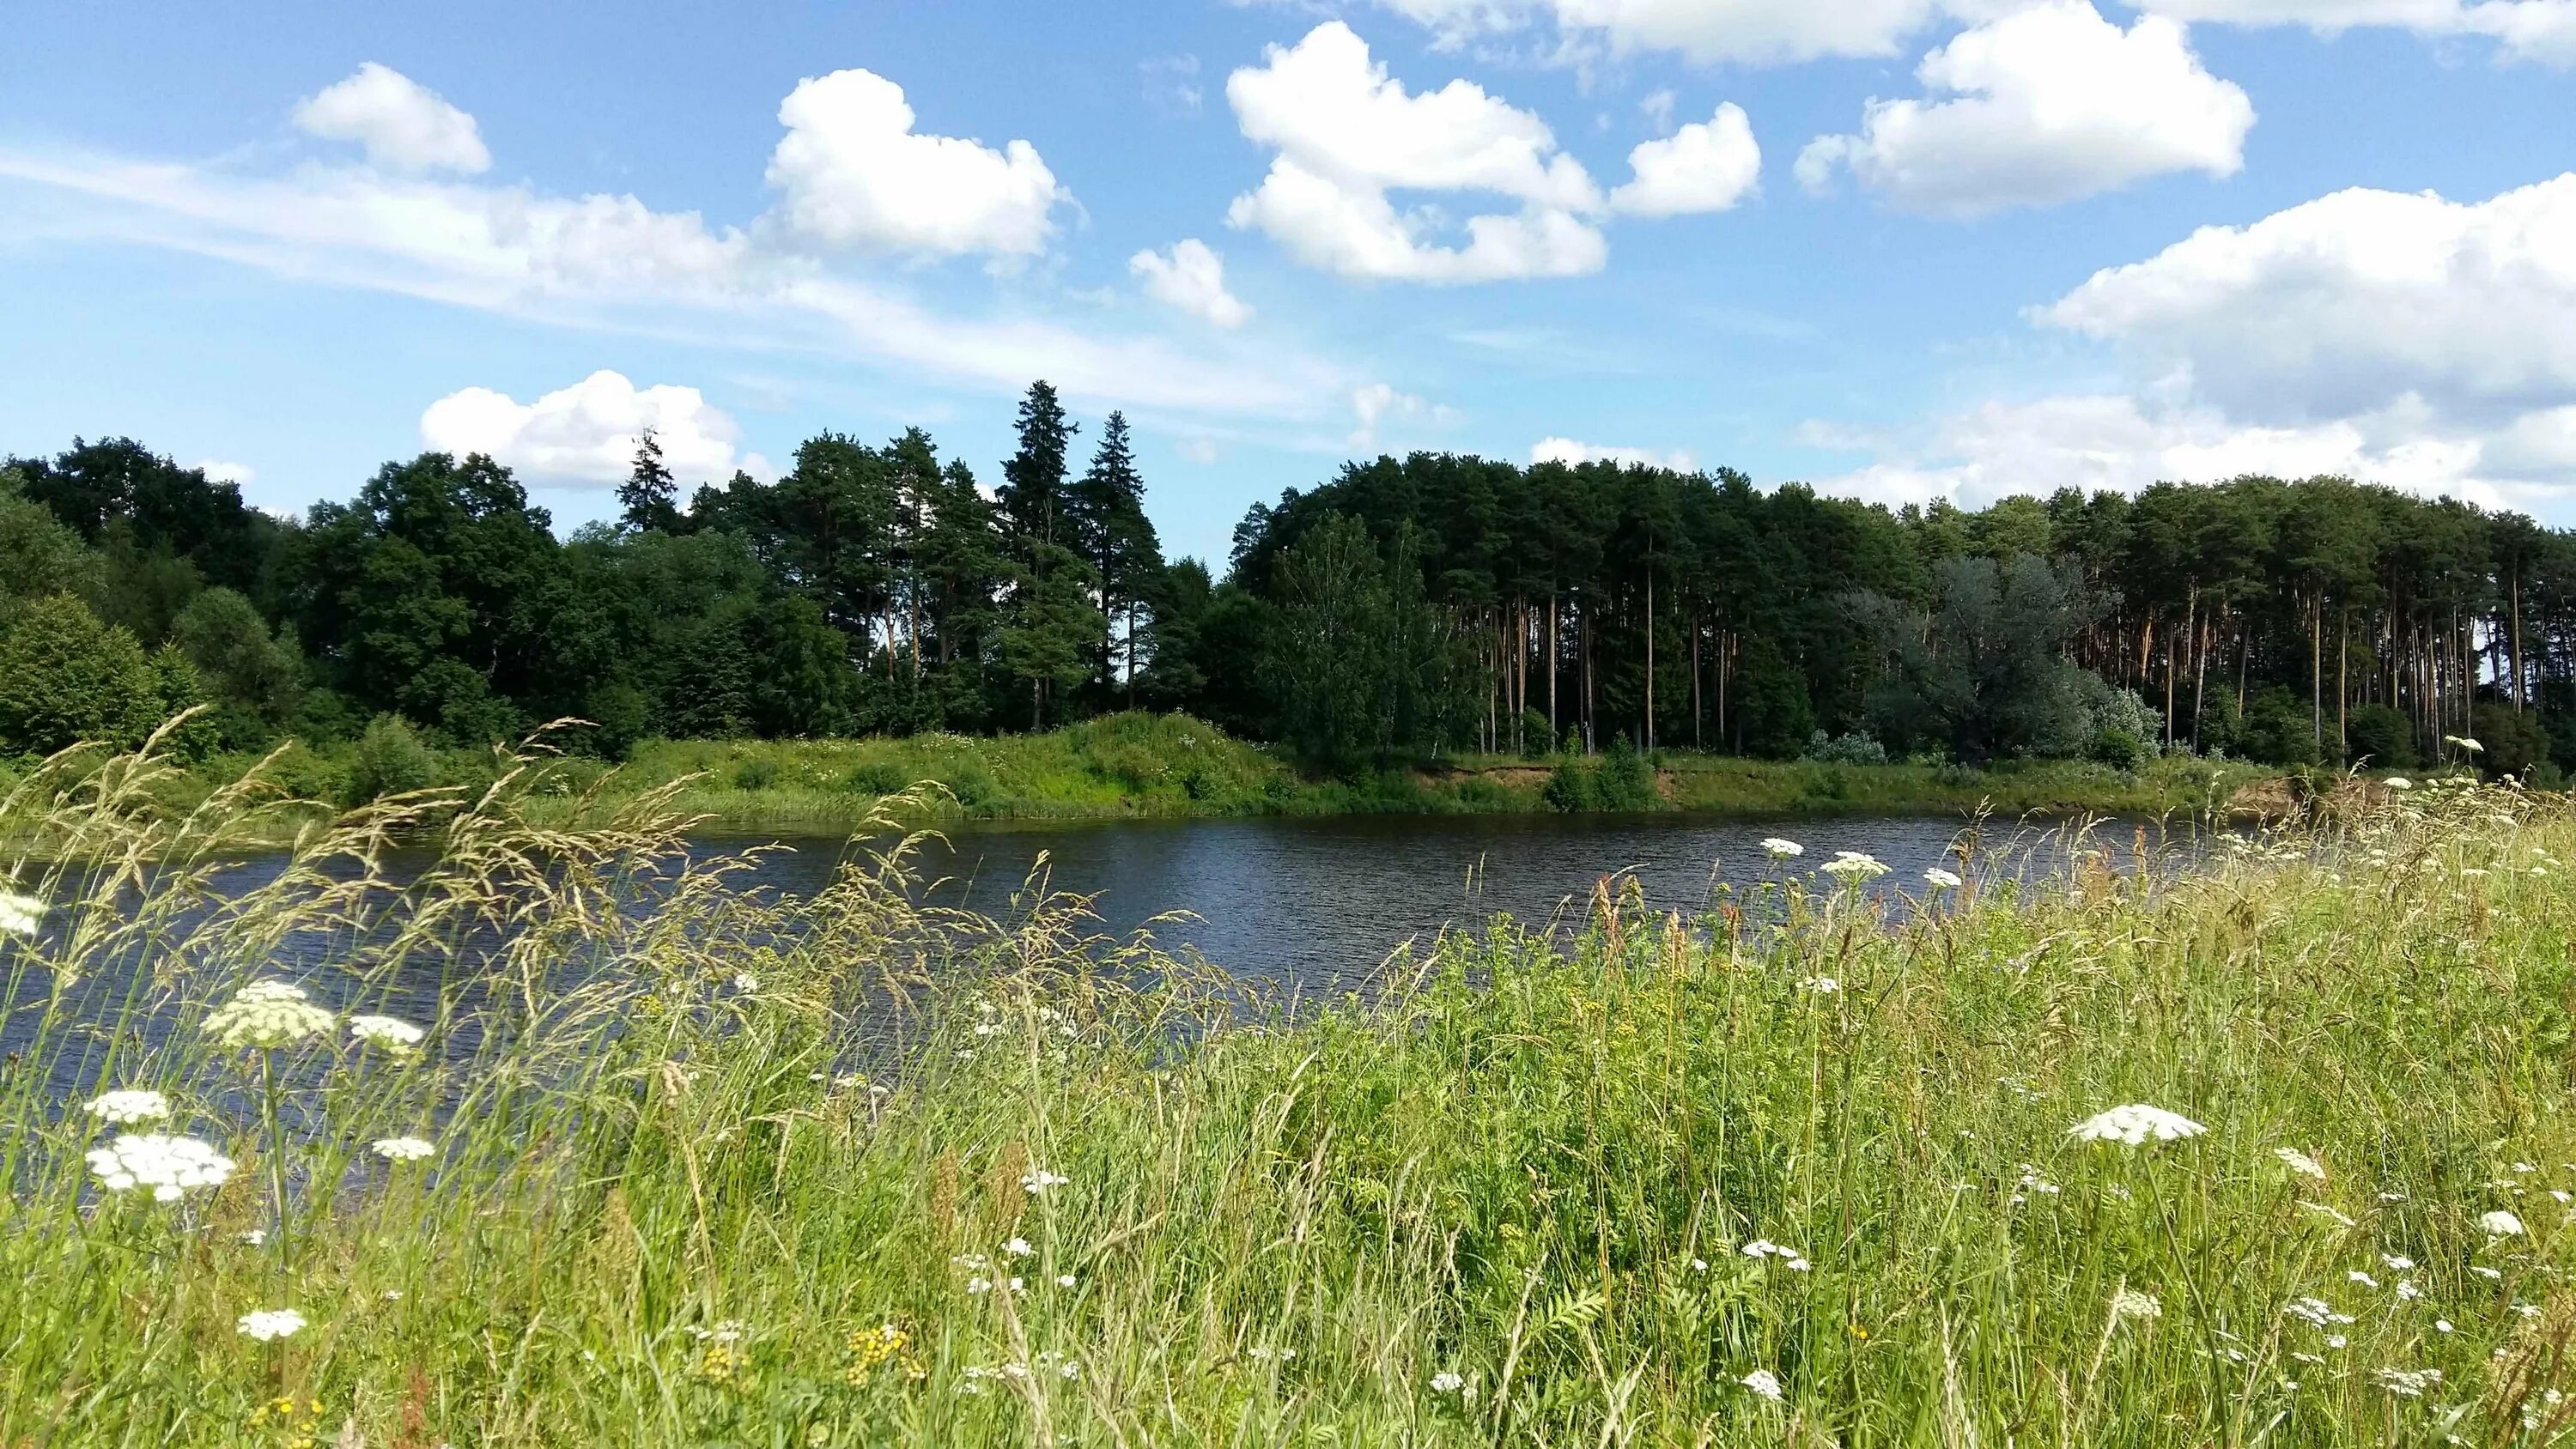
[[1320, 903]]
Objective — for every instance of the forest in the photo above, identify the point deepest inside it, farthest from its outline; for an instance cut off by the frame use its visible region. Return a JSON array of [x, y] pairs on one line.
[[1407, 609]]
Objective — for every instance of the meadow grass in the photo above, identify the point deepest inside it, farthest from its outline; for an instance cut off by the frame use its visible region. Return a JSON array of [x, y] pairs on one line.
[[711, 1167]]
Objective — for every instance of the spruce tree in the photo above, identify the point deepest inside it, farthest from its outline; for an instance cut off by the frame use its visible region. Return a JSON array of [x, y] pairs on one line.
[[650, 495]]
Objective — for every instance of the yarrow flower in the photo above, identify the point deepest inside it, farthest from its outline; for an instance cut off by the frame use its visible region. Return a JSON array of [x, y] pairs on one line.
[[267, 1014], [404, 1149], [1779, 849], [167, 1165], [1852, 867], [390, 1032], [1794, 1260], [1017, 1248], [269, 1324], [20, 915], [128, 1106], [2134, 1124], [1763, 1382], [2408, 1383], [2300, 1162], [1038, 1180], [1942, 879], [2500, 1224], [2130, 1303], [1446, 1382]]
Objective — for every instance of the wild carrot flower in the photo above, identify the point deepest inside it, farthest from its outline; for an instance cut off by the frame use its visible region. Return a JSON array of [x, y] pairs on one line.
[[129, 1105], [404, 1149], [1447, 1382], [1779, 849], [2408, 1383], [2300, 1162], [1017, 1248], [1764, 1383], [2130, 1303], [2134, 1124], [167, 1165], [2398, 782], [269, 1324], [1942, 880], [1851, 867], [20, 915], [1064, 1280], [267, 1014], [2500, 1224], [390, 1032], [1038, 1180]]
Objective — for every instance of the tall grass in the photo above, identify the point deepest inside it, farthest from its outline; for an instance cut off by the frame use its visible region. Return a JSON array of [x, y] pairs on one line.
[[717, 1168]]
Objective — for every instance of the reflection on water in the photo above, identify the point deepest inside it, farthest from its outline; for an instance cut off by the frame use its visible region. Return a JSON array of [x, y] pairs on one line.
[[1319, 903]]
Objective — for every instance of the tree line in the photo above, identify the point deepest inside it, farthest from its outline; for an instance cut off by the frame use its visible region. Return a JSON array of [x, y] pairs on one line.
[[1408, 608]]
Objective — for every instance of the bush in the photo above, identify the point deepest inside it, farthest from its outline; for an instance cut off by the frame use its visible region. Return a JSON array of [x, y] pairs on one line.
[[2279, 729], [1569, 788], [755, 773], [65, 678], [874, 777], [2380, 737], [2513, 738], [2118, 749], [1537, 740], [391, 760], [620, 715], [1856, 747]]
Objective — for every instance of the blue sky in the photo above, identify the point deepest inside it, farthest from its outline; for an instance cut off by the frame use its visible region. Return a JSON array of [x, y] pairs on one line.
[[299, 240]]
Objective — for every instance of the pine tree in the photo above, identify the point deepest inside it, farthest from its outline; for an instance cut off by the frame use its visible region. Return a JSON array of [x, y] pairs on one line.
[[1051, 614], [1108, 508], [650, 495]]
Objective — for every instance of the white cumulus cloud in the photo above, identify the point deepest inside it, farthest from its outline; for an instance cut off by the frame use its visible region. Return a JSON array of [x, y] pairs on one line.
[[218, 471], [2046, 104], [587, 433], [854, 173], [1568, 451], [1346, 133], [404, 125], [2356, 300], [1705, 166], [1707, 31], [1191, 277], [2541, 30]]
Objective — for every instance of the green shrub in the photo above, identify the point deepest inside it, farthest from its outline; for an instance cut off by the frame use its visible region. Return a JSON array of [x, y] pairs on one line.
[[391, 760], [1624, 783], [1570, 787], [65, 677], [875, 777], [2119, 749], [755, 773], [2380, 737]]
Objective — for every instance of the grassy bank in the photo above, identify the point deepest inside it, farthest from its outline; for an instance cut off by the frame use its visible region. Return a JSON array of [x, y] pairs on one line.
[[1139, 765], [1142, 765], [1802, 1172]]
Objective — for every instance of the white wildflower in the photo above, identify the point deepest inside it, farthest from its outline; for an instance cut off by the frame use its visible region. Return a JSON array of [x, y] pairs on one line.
[[1039, 1180], [20, 915], [1940, 879], [2395, 1263], [2408, 1383], [2441, 1325], [1017, 1248], [979, 1285], [2465, 743], [269, 1324], [267, 1014], [390, 1032], [1763, 1382], [745, 982], [2407, 1292], [2492, 1275], [1446, 1382], [2135, 1123], [1853, 866], [1779, 849], [2398, 782], [1064, 1280], [127, 1106], [2300, 1162], [404, 1149], [2362, 1278], [2500, 1224], [167, 1165], [1821, 985], [2130, 1303]]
